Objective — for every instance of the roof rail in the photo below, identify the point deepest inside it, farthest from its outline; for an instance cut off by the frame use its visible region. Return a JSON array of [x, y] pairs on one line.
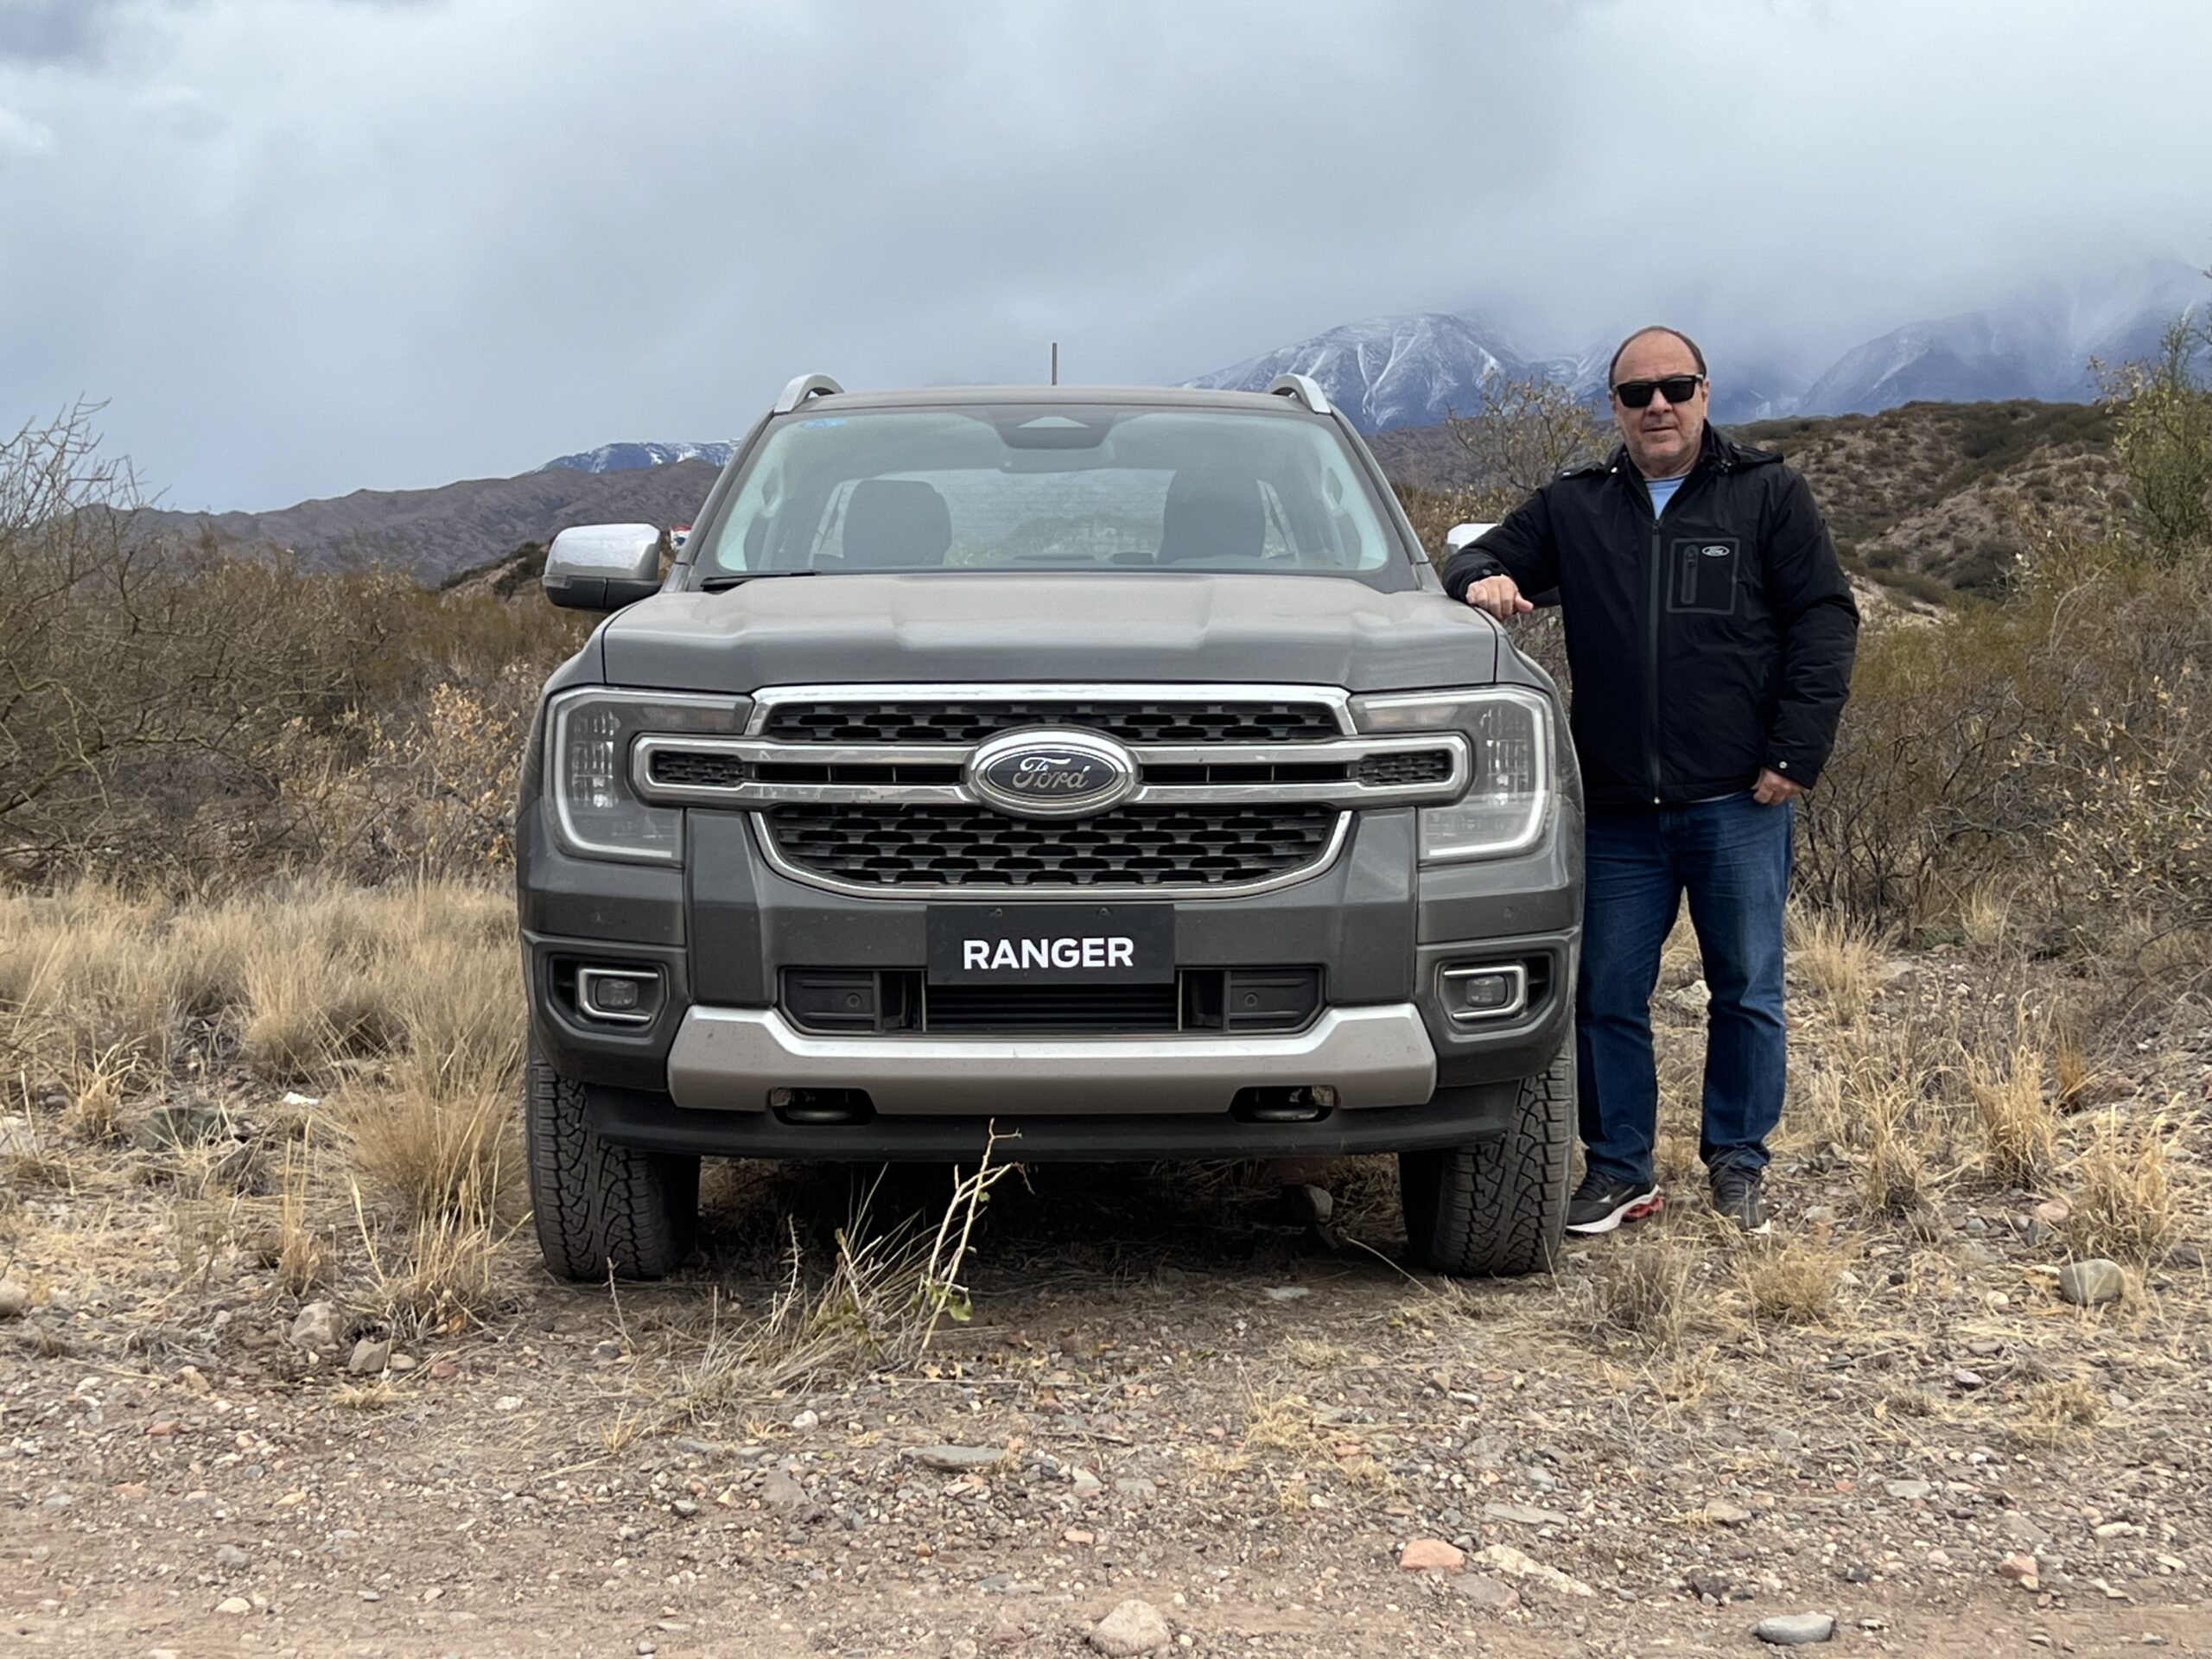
[[1303, 387], [803, 386]]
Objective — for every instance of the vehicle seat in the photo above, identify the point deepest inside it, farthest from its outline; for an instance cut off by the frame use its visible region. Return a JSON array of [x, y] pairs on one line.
[[1210, 517], [895, 524]]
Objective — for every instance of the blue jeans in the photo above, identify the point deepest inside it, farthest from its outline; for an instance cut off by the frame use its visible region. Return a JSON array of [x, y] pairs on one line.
[[1732, 857]]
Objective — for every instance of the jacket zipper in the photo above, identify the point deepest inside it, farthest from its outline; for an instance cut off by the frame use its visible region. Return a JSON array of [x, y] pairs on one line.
[[1652, 665]]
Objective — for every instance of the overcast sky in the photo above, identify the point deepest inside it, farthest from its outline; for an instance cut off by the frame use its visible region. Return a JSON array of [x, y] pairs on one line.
[[306, 246]]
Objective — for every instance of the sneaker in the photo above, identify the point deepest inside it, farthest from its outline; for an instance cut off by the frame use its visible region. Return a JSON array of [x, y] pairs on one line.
[[1601, 1203], [1738, 1194]]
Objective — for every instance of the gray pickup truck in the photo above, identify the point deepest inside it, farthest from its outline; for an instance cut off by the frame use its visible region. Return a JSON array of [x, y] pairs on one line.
[[1103, 768]]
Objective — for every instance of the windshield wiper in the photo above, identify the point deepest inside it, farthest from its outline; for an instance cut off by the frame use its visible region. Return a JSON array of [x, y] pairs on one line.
[[722, 584]]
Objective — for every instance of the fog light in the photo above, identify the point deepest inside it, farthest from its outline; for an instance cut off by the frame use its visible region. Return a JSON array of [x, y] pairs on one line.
[[625, 996], [1487, 991]]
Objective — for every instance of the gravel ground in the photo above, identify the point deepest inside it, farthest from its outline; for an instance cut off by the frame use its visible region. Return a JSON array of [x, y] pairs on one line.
[[1177, 1388]]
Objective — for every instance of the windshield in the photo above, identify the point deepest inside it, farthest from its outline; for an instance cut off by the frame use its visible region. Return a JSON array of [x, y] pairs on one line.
[[1054, 486]]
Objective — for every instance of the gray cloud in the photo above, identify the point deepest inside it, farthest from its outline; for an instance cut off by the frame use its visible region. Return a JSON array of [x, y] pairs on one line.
[[306, 245]]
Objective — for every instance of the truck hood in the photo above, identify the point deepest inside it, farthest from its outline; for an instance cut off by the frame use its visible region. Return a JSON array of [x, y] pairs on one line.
[[860, 629]]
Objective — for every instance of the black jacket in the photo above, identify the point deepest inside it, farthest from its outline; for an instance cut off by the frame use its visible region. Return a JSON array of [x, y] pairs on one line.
[[1705, 644]]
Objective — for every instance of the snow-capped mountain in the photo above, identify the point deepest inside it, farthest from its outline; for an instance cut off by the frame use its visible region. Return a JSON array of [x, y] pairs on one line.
[[2036, 343], [1406, 371], [1409, 371], [625, 457]]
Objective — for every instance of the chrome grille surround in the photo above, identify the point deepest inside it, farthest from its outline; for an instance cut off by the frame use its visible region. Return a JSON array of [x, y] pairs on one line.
[[1211, 837]]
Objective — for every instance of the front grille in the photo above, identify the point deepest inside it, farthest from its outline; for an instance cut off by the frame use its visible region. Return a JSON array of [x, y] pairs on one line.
[[865, 1001], [695, 769], [1193, 846], [1051, 1007], [1417, 767], [1131, 720]]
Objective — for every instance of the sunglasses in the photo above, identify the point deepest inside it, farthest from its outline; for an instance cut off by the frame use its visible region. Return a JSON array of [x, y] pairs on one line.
[[1679, 389]]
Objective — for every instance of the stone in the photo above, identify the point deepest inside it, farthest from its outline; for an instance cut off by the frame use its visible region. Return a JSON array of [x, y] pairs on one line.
[[779, 1491], [1286, 1292], [2020, 1569], [370, 1356], [1527, 1515], [2093, 1282], [315, 1329], [1431, 1554], [2053, 1212], [15, 1299], [807, 1421], [235, 1606], [1133, 1628], [1909, 1491], [179, 1123], [1691, 999], [1082, 1538], [2022, 1531], [956, 1459], [1085, 1484], [507, 1402], [1722, 1513], [229, 1557], [1490, 1593], [1796, 1630], [402, 1363], [1514, 1564]]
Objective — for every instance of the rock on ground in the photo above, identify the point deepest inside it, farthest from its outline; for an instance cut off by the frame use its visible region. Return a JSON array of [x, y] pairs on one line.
[[1504, 1558], [1133, 1628], [2088, 1284], [1793, 1629], [957, 1459], [1424, 1554], [317, 1328]]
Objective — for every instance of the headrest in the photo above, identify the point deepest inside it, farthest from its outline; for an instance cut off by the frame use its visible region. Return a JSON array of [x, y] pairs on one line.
[[1209, 515], [895, 524]]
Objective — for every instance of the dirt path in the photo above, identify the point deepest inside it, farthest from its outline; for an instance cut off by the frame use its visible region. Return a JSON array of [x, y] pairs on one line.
[[1177, 1395]]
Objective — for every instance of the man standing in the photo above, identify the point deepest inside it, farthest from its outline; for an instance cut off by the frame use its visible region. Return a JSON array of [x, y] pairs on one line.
[[1710, 633]]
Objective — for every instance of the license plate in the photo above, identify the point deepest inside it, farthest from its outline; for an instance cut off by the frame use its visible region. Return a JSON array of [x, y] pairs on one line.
[[1052, 945]]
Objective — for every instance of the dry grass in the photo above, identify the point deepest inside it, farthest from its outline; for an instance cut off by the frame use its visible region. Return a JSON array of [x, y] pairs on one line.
[[1791, 1280], [1647, 1290], [2019, 1128], [2054, 1412], [2125, 1204], [1837, 961]]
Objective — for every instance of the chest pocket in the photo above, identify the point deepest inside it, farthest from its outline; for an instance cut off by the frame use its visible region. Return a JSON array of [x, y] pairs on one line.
[[1701, 576]]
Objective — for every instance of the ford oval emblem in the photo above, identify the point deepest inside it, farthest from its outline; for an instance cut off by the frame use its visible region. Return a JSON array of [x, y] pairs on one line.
[[1052, 774]]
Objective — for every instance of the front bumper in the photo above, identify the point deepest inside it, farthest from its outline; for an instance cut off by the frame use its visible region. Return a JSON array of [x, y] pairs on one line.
[[1383, 929], [733, 1059]]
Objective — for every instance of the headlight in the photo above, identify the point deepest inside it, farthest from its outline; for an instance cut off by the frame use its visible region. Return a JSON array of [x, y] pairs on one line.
[[1504, 808], [588, 763]]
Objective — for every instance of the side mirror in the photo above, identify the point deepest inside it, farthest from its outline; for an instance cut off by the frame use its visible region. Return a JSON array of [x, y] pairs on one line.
[[603, 567], [1459, 535]]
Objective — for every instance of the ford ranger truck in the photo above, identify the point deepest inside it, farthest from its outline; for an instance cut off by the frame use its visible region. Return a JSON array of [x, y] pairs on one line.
[[1106, 769]]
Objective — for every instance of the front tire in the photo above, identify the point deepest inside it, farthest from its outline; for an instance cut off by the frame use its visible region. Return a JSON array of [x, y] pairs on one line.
[[599, 1207], [1497, 1207]]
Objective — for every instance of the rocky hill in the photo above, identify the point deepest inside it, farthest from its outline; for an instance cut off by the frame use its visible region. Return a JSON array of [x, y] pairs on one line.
[[1928, 496], [436, 532]]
